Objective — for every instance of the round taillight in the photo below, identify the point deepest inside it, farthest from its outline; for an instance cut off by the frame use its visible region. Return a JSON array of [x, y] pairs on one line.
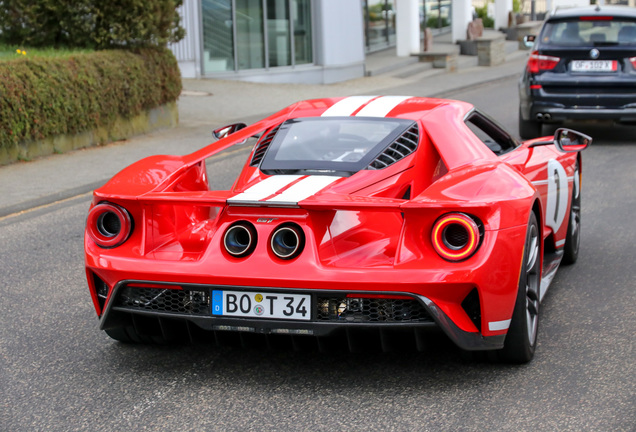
[[455, 236], [287, 241], [240, 239], [108, 225]]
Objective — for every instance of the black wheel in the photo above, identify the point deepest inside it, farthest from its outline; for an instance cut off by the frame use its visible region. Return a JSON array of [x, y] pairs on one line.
[[521, 340], [529, 129], [573, 236]]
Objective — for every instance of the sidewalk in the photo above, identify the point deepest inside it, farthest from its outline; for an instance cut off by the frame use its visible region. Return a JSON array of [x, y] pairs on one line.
[[206, 104]]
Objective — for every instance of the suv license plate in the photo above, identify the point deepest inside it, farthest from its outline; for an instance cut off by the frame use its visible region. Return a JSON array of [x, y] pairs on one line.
[[261, 305], [594, 66]]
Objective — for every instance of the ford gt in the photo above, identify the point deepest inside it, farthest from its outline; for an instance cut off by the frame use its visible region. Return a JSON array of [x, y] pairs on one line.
[[368, 219]]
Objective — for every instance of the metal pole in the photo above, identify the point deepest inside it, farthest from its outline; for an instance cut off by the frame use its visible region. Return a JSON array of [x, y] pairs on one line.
[[533, 12]]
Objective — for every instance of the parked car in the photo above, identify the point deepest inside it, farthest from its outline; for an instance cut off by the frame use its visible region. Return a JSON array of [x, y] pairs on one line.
[[582, 66], [360, 216]]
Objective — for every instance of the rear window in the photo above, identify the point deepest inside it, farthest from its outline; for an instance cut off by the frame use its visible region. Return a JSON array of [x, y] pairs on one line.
[[587, 32], [326, 145]]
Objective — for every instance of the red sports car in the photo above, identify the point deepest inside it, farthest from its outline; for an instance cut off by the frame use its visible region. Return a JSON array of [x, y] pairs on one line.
[[369, 217]]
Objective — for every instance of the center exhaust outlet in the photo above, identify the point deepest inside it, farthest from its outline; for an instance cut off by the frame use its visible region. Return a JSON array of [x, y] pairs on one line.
[[287, 241], [240, 239]]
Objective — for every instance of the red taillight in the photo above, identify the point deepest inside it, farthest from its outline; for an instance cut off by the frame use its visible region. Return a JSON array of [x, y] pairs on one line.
[[455, 236], [596, 18], [633, 62], [535, 87], [538, 62], [108, 225]]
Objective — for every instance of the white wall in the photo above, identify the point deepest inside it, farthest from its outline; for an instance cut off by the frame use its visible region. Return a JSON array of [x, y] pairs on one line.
[[188, 50], [407, 23], [340, 32], [461, 16], [502, 11]]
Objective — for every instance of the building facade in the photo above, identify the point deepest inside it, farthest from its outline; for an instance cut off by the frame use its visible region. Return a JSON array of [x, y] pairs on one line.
[[297, 41]]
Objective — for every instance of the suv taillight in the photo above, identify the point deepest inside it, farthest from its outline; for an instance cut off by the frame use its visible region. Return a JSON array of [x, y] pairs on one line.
[[633, 62], [538, 62]]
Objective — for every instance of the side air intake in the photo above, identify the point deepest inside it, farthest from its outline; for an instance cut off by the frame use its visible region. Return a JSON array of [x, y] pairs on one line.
[[262, 146], [399, 149]]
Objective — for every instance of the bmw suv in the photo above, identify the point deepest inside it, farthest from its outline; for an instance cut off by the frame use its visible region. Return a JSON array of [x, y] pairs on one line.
[[582, 66]]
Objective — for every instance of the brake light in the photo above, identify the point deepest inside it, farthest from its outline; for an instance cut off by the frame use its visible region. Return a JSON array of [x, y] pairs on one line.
[[538, 62], [633, 62], [455, 237], [596, 18]]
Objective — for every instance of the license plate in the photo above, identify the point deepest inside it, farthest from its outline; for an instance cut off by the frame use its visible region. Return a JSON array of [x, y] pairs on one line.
[[594, 66], [261, 305]]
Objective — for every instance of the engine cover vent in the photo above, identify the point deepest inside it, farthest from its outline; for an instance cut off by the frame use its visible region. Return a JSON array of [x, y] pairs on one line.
[[399, 149], [262, 146]]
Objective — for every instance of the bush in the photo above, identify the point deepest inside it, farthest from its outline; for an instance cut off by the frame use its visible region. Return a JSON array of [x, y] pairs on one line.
[[434, 22], [482, 13], [94, 24], [45, 97]]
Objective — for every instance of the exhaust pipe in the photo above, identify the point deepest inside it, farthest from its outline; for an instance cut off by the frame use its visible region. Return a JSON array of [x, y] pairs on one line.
[[287, 241], [240, 239], [539, 116], [547, 117]]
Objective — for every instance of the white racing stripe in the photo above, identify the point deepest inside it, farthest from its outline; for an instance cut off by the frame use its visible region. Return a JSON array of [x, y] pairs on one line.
[[263, 189], [347, 106], [297, 192], [303, 189], [380, 107], [545, 182]]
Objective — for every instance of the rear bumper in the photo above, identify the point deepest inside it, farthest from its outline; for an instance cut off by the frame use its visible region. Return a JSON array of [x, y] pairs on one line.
[[567, 97], [559, 113], [190, 304]]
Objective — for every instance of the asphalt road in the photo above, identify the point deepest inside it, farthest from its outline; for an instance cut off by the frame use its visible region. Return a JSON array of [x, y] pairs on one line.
[[59, 372]]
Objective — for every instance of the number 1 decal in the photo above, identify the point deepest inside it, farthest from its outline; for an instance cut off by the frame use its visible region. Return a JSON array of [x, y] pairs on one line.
[[557, 195]]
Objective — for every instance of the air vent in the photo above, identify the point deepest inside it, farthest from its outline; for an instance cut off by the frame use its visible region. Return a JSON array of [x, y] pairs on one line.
[[399, 149], [262, 146]]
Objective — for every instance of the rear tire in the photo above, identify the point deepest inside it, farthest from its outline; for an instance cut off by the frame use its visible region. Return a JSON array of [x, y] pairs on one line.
[[128, 334], [573, 236], [122, 334], [529, 129], [521, 339]]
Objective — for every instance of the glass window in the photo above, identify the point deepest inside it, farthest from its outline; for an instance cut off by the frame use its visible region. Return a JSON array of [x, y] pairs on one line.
[[376, 25], [249, 34], [331, 144], [218, 44], [255, 34], [590, 32], [495, 138], [303, 41], [278, 39], [435, 14]]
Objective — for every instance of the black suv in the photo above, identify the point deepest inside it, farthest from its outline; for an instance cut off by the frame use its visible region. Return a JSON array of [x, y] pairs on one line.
[[582, 66]]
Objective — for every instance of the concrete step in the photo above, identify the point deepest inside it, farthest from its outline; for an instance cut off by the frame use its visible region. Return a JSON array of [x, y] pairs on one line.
[[411, 70], [386, 61]]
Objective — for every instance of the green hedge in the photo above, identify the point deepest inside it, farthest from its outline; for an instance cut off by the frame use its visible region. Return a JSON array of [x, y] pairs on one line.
[[46, 97], [100, 24]]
